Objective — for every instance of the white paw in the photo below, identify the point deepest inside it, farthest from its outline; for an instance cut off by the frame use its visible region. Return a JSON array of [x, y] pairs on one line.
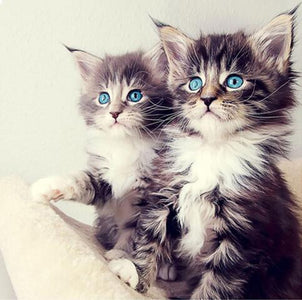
[[52, 188], [115, 254], [125, 270]]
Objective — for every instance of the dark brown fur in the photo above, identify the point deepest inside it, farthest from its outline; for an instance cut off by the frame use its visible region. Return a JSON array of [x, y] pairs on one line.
[[252, 248]]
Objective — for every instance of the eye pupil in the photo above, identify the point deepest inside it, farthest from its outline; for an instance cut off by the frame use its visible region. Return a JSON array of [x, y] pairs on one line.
[[135, 95], [234, 81], [195, 84], [104, 98]]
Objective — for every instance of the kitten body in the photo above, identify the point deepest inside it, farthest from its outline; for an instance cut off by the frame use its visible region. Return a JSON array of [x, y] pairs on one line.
[[220, 207], [124, 102], [125, 163]]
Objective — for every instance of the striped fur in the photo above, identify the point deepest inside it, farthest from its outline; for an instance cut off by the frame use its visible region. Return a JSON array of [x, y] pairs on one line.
[[230, 218]]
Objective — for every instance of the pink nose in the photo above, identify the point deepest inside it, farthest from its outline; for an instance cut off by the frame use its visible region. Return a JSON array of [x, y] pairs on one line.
[[115, 114]]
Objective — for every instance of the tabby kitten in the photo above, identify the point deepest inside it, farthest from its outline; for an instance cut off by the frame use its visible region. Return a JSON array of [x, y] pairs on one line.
[[124, 103], [221, 206]]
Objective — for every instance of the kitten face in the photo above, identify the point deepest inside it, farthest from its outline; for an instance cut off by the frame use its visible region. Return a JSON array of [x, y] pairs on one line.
[[123, 95], [225, 83]]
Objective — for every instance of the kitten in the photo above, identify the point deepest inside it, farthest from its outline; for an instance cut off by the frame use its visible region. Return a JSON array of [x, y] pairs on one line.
[[221, 206], [124, 103]]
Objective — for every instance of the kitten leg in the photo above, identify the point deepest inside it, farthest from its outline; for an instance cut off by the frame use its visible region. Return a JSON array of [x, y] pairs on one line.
[[122, 247], [223, 275], [148, 244], [115, 254], [140, 271], [82, 187]]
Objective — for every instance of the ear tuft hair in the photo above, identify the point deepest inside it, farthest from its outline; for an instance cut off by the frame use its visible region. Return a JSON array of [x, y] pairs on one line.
[[157, 59], [85, 61], [294, 10], [176, 46], [69, 48], [274, 41], [157, 23]]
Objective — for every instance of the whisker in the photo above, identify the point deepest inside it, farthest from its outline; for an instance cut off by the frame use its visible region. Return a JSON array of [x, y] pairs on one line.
[[275, 91], [270, 112]]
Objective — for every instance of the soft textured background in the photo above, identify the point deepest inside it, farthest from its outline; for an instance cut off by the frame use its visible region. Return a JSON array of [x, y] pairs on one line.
[[41, 132]]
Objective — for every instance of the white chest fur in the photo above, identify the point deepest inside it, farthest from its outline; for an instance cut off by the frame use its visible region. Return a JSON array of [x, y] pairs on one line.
[[121, 160], [223, 164]]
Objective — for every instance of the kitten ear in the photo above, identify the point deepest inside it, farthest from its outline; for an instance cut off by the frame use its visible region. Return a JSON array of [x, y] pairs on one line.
[[275, 40], [176, 46], [85, 61], [157, 58]]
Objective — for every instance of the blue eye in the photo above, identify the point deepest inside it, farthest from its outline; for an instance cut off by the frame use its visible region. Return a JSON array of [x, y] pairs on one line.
[[234, 82], [104, 98], [135, 95], [195, 84]]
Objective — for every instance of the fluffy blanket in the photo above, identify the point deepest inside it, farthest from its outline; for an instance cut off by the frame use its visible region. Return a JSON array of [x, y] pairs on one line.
[[51, 256]]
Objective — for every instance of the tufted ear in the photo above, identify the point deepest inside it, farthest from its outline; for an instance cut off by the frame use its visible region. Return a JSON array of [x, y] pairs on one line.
[[158, 59], [86, 62], [176, 46], [274, 41]]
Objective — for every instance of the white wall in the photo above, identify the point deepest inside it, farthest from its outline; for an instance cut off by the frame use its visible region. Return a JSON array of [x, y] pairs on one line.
[[41, 132]]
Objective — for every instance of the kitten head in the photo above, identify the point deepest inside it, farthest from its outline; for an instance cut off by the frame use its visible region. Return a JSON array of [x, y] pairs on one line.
[[229, 82], [123, 95]]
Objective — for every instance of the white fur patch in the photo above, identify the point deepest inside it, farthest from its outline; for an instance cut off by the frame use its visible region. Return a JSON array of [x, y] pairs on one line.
[[122, 160], [195, 217], [210, 164]]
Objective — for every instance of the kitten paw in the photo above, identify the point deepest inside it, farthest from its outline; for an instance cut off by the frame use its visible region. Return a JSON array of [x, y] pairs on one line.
[[125, 270], [115, 254], [52, 188], [167, 272]]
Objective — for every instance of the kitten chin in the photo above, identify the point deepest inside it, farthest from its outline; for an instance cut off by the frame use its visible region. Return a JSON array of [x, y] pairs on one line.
[[211, 128], [121, 131]]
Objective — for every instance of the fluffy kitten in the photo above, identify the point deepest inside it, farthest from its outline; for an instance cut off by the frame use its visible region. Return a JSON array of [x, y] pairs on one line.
[[221, 206], [124, 103]]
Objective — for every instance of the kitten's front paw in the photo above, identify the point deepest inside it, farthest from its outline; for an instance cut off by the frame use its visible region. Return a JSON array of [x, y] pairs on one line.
[[52, 188], [125, 270]]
